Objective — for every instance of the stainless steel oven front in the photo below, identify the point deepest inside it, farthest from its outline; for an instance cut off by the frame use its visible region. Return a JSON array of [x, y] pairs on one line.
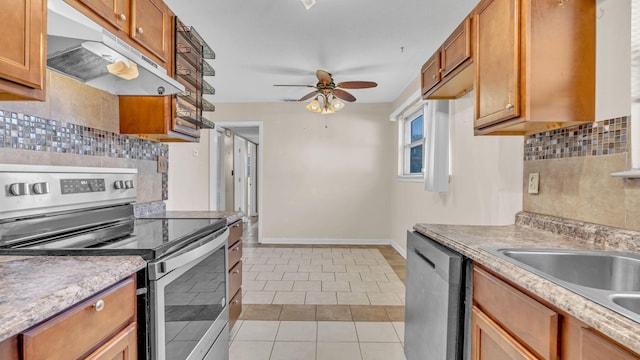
[[188, 302]]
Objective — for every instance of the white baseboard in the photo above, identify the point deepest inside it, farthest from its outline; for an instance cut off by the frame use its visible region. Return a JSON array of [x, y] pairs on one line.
[[399, 249], [298, 241]]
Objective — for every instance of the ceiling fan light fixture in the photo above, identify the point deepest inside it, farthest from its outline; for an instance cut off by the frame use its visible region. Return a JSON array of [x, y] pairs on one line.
[[336, 104], [308, 3], [314, 106]]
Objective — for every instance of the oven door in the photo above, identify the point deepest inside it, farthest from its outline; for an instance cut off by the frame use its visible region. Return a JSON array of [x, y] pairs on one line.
[[188, 299]]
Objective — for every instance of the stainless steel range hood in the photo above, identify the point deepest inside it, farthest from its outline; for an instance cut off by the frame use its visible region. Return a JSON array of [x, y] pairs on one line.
[[79, 48]]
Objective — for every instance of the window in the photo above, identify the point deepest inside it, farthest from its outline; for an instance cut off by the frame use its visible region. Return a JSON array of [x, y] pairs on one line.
[[413, 143], [424, 144]]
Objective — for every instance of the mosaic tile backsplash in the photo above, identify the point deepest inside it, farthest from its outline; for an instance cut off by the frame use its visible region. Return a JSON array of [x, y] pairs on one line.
[[25, 132], [593, 139]]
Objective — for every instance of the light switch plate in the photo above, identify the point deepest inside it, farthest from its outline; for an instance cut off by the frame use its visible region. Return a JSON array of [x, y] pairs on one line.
[[534, 183], [163, 164]]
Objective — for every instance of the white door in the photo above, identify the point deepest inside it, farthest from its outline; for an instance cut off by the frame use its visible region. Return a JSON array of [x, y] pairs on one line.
[[240, 174], [253, 178]]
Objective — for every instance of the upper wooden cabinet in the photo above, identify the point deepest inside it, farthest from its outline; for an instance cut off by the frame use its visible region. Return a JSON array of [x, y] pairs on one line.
[[144, 24], [116, 12], [447, 74], [151, 26], [23, 49], [534, 65]]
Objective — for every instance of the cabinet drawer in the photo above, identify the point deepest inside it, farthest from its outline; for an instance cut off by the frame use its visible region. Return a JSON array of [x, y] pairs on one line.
[[235, 232], [84, 326], [595, 347], [235, 278], [235, 308], [526, 319], [235, 253]]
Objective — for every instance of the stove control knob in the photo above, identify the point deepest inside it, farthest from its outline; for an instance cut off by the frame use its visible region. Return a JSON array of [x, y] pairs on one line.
[[41, 188], [19, 189], [128, 184], [119, 184]]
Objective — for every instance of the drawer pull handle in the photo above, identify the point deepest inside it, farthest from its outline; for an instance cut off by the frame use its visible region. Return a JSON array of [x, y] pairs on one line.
[[236, 301], [122, 17], [236, 249], [236, 271], [509, 107], [141, 30], [99, 305], [433, 76]]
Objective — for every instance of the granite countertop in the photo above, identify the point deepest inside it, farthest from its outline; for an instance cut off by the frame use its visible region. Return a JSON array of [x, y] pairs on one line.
[[231, 216], [537, 231], [34, 288]]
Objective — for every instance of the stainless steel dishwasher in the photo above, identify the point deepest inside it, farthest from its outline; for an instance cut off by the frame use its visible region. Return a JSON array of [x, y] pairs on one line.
[[438, 301]]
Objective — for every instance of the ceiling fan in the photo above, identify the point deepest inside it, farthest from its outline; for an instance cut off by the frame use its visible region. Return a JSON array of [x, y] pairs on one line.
[[327, 93]]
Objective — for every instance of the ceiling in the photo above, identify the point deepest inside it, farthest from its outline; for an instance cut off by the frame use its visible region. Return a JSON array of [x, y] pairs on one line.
[[259, 43]]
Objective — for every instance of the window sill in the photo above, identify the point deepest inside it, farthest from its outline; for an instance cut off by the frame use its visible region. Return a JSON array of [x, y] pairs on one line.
[[410, 178]]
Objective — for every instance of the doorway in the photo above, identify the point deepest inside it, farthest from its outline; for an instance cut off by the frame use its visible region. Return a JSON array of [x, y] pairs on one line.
[[242, 168]]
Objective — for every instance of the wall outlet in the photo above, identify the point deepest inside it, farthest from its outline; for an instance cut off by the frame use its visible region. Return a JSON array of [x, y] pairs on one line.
[[534, 183]]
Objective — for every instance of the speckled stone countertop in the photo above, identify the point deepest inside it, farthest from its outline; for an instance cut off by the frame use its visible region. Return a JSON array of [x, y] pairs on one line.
[[534, 231], [231, 216], [33, 288]]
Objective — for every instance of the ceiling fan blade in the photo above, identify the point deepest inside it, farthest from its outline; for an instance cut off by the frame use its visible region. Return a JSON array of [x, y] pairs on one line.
[[311, 86], [308, 96], [344, 95], [356, 85], [324, 77]]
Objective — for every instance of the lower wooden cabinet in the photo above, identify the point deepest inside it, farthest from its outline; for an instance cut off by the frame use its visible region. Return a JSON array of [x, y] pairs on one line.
[[508, 323], [101, 327], [123, 346], [530, 322], [234, 246], [491, 342]]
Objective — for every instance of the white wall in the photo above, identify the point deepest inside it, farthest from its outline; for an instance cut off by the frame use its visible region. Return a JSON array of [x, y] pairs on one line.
[[486, 182], [189, 184], [322, 182]]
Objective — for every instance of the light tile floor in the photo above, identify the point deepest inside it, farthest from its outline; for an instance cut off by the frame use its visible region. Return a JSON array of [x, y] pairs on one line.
[[319, 276], [317, 340]]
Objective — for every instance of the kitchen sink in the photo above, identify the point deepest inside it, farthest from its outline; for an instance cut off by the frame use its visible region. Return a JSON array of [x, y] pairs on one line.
[[630, 302], [606, 271], [609, 278]]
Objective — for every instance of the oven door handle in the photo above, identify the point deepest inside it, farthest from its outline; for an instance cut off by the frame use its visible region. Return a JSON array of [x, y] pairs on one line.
[[190, 253]]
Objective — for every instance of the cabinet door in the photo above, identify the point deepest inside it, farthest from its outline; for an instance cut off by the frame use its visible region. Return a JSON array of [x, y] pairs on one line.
[[491, 342], [457, 49], [151, 27], [116, 12], [431, 73], [122, 346], [497, 85], [22, 44]]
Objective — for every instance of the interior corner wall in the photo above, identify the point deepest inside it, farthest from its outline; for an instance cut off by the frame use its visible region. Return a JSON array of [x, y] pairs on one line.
[[325, 177], [189, 183], [485, 187]]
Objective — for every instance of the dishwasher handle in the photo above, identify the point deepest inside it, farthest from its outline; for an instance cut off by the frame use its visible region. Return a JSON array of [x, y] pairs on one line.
[[425, 258]]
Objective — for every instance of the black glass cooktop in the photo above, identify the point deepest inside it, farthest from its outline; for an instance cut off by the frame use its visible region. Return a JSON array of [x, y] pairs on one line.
[[149, 238]]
